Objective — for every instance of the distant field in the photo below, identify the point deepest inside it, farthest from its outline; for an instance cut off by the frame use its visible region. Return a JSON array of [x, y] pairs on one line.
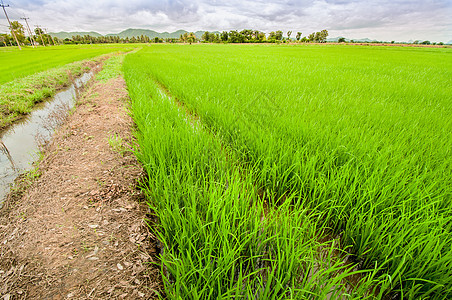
[[17, 64], [358, 139]]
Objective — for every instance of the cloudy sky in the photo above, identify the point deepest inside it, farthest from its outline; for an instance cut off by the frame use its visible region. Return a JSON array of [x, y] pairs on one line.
[[399, 20]]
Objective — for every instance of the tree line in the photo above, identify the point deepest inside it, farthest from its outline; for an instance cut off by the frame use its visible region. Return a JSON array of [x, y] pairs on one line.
[[256, 36], [39, 37], [233, 36]]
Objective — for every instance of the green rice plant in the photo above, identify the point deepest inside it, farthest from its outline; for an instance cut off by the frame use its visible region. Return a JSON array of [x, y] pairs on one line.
[[18, 64], [219, 239], [359, 135]]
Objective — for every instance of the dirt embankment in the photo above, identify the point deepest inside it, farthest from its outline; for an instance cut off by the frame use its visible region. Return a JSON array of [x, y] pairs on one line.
[[79, 230]]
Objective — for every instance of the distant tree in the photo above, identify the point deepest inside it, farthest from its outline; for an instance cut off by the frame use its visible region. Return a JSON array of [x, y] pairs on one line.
[[416, 42], [289, 33], [341, 40], [323, 35], [260, 37], [18, 31], [272, 36], [425, 43], [279, 35], [441, 43], [318, 37], [304, 40], [3, 39], [206, 36], [191, 38], [247, 35], [298, 36], [224, 36], [236, 37], [184, 37]]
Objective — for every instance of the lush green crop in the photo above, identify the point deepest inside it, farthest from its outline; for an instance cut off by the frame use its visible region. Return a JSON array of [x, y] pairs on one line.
[[219, 238], [17, 64], [358, 136]]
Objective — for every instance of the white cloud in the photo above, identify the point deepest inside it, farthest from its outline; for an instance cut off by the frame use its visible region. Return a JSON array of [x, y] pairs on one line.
[[379, 19]]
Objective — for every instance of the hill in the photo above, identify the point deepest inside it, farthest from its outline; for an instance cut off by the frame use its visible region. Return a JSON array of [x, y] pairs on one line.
[[363, 40], [63, 34], [130, 32], [152, 34]]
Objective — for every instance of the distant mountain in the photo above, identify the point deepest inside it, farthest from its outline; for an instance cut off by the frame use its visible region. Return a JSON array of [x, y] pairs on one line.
[[336, 39], [138, 32], [64, 35], [363, 40], [130, 33], [152, 34]]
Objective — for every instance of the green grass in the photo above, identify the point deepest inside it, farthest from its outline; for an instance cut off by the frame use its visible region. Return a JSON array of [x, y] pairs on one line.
[[357, 139], [18, 64], [111, 69]]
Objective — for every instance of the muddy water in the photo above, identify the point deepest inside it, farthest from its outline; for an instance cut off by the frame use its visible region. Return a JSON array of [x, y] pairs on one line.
[[23, 138]]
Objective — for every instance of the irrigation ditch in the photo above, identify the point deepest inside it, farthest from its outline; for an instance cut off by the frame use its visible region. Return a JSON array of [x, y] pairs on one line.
[[77, 228], [24, 139]]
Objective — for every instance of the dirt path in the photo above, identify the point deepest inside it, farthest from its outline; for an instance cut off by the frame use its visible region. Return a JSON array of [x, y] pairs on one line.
[[79, 230]]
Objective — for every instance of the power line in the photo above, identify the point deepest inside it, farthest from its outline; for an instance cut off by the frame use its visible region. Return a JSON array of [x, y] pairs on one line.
[[40, 33], [29, 31], [50, 36], [11, 27]]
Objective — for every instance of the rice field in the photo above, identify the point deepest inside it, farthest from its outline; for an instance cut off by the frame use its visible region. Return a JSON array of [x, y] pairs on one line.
[[304, 172], [18, 64], [32, 77]]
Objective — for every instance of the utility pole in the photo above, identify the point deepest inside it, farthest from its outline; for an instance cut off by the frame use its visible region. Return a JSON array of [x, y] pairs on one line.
[[40, 34], [50, 36], [10, 26], [29, 31]]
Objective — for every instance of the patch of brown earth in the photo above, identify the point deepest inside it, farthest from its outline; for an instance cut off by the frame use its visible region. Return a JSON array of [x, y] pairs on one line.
[[79, 231]]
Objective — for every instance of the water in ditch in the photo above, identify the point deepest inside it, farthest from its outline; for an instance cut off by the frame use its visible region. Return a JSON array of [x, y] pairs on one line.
[[23, 138]]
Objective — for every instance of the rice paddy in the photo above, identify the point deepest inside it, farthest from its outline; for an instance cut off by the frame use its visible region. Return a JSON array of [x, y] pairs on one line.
[[19, 95], [18, 64], [256, 156]]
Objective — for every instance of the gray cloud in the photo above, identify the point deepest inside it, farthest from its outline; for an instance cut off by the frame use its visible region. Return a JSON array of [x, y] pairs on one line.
[[379, 19]]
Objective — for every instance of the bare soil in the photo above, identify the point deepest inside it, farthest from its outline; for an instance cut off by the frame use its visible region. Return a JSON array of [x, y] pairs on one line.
[[79, 230]]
